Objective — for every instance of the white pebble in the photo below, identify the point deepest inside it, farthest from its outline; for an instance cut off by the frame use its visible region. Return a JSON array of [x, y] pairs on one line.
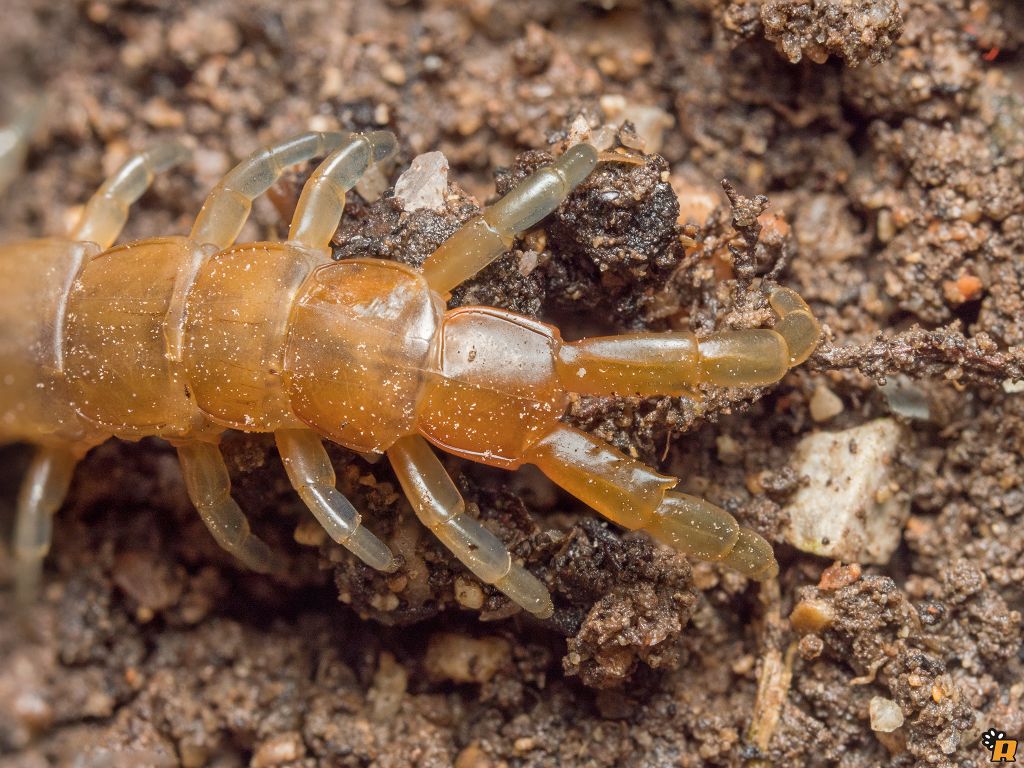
[[886, 715], [425, 183], [825, 404], [851, 507]]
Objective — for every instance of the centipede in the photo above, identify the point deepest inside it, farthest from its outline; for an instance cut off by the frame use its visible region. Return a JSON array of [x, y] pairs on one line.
[[187, 337]]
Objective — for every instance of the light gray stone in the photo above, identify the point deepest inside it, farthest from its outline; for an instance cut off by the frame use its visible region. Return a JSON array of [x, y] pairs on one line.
[[852, 506], [425, 183]]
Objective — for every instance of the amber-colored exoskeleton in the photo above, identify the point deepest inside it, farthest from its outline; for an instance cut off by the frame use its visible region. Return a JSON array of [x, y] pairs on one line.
[[185, 337]]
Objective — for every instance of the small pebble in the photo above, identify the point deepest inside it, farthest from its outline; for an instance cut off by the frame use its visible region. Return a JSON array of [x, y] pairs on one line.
[[1013, 387], [469, 594], [423, 186], [837, 576], [393, 72], [886, 228], [309, 533], [812, 616], [524, 744], [825, 404], [389, 687], [33, 712], [284, 748], [464, 659], [373, 184], [846, 509], [906, 398], [886, 715], [728, 449], [473, 757], [650, 123], [159, 114]]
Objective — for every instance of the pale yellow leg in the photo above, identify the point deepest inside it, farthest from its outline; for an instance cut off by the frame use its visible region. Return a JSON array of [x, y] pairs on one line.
[[42, 493], [758, 356], [633, 495], [484, 238], [752, 556], [644, 364], [209, 488], [323, 197], [227, 207], [440, 507], [107, 211], [796, 324], [750, 357], [14, 140], [630, 364], [311, 474]]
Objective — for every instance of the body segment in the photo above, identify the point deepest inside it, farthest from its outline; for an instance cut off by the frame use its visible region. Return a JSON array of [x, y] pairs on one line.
[[121, 323], [35, 401], [236, 333], [362, 334]]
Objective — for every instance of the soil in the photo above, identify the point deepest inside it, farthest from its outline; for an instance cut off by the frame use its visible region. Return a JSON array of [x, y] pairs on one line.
[[875, 158]]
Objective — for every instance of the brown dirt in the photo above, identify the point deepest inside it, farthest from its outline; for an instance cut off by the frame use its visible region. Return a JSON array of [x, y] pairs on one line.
[[895, 175]]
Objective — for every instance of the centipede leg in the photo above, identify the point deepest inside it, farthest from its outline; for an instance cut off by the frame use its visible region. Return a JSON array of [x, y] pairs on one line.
[[209, 488], [323, 197], [646, 364], [633, 495], [42, 492], [440, 507], [14, 140], [311, 474], [107, 211], [796, 323], [485, 237], [227, 207], [759, 356]]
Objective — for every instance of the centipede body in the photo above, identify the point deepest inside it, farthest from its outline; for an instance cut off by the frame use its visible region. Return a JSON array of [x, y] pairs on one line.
[[184, 337]]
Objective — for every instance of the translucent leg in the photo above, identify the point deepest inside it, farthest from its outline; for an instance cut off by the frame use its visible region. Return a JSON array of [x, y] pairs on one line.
[[14, 139], [209, 488], [629, 364], [675, 363], [106, 213], [758, 356], [323, 197], [228, 205], [311, 474], [42, 493], [796, 324], [440, 507], [745, 358], [752, 556], [483, 238], [633, 495]]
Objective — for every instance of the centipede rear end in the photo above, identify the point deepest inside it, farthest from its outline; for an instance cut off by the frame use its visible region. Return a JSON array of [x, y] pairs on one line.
[[184, 337]]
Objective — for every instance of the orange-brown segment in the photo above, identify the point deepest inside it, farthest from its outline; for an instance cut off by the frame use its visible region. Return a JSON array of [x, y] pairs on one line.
[[360, 338], [236, 330], [116, 330], [496, 390]]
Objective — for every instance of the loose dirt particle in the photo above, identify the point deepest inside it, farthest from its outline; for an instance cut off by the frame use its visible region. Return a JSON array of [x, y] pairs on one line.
[[885, 714], [463, 659]]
